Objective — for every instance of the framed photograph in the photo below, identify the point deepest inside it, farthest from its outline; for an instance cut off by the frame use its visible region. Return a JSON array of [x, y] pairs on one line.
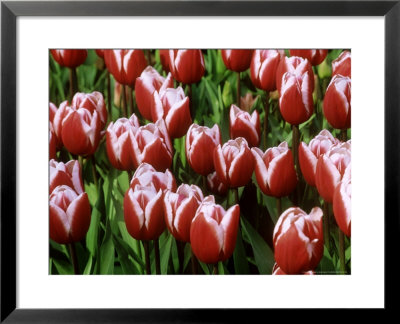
[[195, 156]]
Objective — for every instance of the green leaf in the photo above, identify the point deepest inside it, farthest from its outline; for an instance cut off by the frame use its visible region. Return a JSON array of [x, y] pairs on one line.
[[239, 256], [63, 267], [92, 236], [88, 266], [128, 267], [264, 257], [165, 252]]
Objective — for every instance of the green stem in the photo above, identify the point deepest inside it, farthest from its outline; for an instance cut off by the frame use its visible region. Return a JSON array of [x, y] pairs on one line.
[[326, 226], [147, 256], [343, 135], [181, 255], [238, 90], [194, 262], [157, 255], [295, 149], [215, 268], [73, 82], [124, 103], [279, 206], [342, 253], [94, 173], [236, 195], [266, 113], [74, 259], [204, 184], [191, 105]]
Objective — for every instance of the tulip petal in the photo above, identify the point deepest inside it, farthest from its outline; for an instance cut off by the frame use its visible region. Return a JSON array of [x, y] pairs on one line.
[[59, 225], [79, 214]]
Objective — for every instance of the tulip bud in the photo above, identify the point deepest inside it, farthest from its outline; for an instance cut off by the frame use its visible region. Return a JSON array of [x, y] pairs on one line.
[[68, 174], [69, 57], [296, 101], [275, 171], [337, 102], [57, 121], [145, 85], [215, 185], [100, 53], [187, 66], [342, 203], [243, 125], [314, 56], [93, 102], [298, 240], [200, 144], [237, 60], [330, 169], [297, 66], [342, 65], [173, 106], [81, 131], [276, 270], [143, 213], [247, 102], [180, 208], [125, 65], [147, 176], [234, 162], [52, 143], [120, 143], [164, 58], [308, 155], [153, 145], [213, 231], [52, 111], [263, 68], [69, 215]]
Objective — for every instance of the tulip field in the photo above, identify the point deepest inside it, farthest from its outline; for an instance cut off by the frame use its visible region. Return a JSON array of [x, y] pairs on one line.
[[202, 162]]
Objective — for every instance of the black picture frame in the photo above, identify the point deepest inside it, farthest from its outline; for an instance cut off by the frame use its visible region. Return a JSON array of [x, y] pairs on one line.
[[10, 10]]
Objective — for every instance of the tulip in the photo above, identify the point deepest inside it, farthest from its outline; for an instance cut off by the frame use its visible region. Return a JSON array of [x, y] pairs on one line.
[[143, 213], [342, 203], [297, 66], [342, 65], [180, 208], [296, 101], [68, 174], [100, 53], [69, 57], [276, 270], [237, 60], [93, 102], [247, 102], [215, 185], [330, 169], [243, 125], [234, 162], [146, 176], [145, 85], [153, 145], [173, 106], [213, 231], [164, 58], [200, 144], [120, 143], [308, 155], [263, 68], [125, 65], [315, 56], [52, 144], [81, 131], [187, 66], [298, 240], [57, 121], [275, 171], [52, 111], [69, 215], [337, 102]]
